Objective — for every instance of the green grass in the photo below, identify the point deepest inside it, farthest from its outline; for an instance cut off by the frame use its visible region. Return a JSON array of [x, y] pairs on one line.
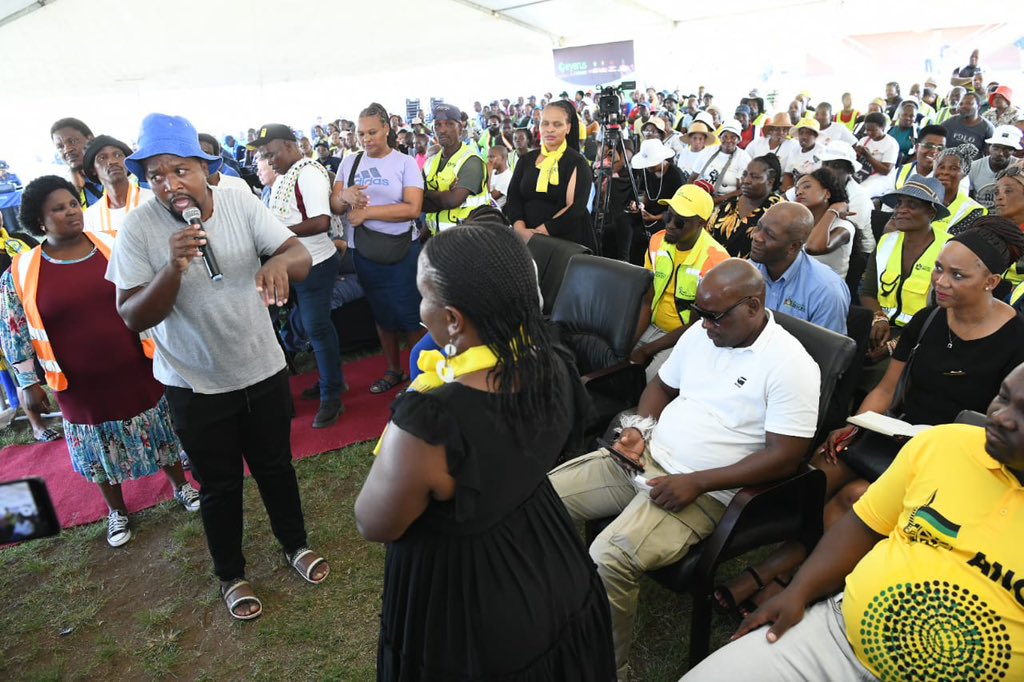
[[76, 609]]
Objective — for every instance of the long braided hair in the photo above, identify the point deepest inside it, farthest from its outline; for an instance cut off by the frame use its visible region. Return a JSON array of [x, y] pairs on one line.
[[485, 271]]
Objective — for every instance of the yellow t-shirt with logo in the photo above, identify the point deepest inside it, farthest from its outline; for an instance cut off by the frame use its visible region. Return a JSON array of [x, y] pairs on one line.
[[942, 596], [705, 254]]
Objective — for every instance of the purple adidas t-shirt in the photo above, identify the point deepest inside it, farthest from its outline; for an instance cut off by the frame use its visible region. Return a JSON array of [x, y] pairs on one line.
[[386, 179]]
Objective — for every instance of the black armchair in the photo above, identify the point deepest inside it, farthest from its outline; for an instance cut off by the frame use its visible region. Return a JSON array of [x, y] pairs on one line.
[[552, 257], [597, 311], [791, 509]]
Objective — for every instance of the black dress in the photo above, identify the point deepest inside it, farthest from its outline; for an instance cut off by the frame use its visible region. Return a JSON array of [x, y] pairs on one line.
[[536, 208], [496, 583]]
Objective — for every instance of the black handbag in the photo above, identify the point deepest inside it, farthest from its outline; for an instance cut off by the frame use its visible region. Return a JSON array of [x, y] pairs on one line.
[[872, 453], [381, 248]]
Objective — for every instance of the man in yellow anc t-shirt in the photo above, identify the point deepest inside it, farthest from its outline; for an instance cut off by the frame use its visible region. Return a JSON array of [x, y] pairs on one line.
[[933, 565]]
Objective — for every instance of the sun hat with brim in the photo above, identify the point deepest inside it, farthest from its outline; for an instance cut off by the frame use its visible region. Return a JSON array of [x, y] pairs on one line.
[[1007, 136], [928, 190], [731, 126], [779, 120], [654, 121], [806, 123], [92, 151], [702, 128], [1005, 91], [837, 150], [689, 201], [652, 152], [164, 134]]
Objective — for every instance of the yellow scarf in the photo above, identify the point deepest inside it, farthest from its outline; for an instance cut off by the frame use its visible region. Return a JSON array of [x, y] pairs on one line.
[[437, 372], [549, 166]]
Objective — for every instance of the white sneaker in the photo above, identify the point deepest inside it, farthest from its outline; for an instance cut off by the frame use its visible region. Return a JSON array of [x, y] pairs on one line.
[[118, 531], [188, 496]]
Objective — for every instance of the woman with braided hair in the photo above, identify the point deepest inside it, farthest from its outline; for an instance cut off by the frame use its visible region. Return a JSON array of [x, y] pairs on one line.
[[485, 577], [955, 355], [734, 219], [953, 166]]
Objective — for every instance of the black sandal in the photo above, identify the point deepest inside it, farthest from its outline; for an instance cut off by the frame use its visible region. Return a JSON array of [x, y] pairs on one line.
[[723, 594], [385, 384]]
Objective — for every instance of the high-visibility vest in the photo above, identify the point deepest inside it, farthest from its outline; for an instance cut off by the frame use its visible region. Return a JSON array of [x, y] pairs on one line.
[[25, 268], [705, 254], [442, 180], [961, 207], [903, 173], [900, 298], [1016, 294], [851, 124], [130, 204]]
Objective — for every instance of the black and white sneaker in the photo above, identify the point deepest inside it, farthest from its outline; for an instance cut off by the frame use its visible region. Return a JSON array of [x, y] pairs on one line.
[[188, 497], [118, 530]]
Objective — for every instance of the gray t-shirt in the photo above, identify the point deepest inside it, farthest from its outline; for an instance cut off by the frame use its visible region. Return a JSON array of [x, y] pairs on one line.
[[218, 336], [958, 132], [983, 183]]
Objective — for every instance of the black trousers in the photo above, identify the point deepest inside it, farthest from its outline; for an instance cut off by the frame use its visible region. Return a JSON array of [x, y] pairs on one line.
[[217, 432]]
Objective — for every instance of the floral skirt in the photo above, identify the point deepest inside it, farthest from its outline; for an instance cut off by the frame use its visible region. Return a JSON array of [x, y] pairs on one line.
[[118, 451]]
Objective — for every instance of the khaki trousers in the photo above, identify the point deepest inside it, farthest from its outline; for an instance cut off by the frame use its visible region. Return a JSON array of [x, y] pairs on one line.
[[642, 538]]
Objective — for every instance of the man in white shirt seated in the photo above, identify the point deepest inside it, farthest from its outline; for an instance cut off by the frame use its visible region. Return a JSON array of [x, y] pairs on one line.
[[878, 152], [499, 173], [103, 162], [736, 404]]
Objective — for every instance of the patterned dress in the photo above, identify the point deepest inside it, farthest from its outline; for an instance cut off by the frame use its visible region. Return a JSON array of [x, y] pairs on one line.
[[732, 230], [116, 420]]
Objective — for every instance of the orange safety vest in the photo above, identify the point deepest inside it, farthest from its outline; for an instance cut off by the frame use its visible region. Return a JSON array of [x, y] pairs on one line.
[[25, 268]]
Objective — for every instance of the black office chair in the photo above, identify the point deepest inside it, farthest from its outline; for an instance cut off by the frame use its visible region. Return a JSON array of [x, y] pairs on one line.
[[790, 509], [858, 328], [552, 257], [597, 311]]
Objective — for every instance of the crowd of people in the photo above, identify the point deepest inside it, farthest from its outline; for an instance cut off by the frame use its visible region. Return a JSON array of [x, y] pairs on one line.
[[912, 208]]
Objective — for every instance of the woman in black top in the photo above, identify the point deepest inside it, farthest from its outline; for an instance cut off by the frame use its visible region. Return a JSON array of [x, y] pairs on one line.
[[971, 344], [550, 187], [486, 577]]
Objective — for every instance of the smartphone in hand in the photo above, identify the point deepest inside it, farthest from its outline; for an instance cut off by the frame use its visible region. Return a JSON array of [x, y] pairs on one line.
[[630, 463], [26, 511]]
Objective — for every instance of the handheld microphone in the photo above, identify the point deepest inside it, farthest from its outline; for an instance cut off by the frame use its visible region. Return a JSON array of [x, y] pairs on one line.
[[192, 217]]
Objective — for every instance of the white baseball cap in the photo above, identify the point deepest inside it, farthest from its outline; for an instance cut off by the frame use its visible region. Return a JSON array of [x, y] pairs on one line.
[[1007, 136]]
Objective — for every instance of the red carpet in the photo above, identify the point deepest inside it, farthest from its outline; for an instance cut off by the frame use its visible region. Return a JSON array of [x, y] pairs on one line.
[[79, 502]]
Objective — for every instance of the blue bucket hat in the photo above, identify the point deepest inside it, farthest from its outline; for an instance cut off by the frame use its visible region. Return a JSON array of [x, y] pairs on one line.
[[163, 134], [928, 190]]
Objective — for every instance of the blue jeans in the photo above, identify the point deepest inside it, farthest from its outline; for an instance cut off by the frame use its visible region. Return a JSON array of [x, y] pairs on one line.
[[314, 301]]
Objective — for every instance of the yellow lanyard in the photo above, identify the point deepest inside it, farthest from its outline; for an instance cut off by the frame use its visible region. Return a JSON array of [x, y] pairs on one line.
[[105, 220]]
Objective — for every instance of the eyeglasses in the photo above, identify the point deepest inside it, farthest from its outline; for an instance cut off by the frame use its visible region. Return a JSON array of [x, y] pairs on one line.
[[932, 147], [716, 318]]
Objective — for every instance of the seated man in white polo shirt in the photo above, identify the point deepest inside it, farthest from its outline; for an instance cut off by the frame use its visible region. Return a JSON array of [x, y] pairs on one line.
[[736, 404]]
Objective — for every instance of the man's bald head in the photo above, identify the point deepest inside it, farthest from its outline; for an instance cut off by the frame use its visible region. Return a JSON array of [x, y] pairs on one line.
[[730, 299], [730, 281], [796, 220]]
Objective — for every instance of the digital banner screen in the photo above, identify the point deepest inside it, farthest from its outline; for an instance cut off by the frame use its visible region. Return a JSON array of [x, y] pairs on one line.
[[594, 64]]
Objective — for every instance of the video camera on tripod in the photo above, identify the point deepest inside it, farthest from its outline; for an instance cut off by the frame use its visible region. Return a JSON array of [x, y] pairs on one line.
[[611, 150], [609, 104]]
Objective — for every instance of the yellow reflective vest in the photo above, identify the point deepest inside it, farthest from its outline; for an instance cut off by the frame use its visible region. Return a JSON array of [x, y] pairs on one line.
[[900, 298], [705, 254], [443, 179]]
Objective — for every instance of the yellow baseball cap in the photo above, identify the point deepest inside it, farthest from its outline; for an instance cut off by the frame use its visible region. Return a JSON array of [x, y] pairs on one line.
[[809, 123], [690, 200]]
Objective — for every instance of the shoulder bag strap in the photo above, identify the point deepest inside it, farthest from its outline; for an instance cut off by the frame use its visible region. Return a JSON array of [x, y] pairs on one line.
[[904, 383], [355, 167]]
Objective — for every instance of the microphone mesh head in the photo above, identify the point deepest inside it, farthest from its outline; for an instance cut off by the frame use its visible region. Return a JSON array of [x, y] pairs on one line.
[[190, 214]]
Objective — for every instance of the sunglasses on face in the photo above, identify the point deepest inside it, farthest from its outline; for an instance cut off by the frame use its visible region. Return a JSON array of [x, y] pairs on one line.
[[716, 318]]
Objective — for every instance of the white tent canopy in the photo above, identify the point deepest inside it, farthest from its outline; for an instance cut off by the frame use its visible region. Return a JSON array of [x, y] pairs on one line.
[[232, 64]]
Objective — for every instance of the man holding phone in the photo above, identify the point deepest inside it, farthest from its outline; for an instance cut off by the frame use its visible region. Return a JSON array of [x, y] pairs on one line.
[[736, 404]]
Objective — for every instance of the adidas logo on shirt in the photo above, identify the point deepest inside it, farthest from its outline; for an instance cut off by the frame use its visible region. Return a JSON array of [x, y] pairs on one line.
[[371, 177]]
